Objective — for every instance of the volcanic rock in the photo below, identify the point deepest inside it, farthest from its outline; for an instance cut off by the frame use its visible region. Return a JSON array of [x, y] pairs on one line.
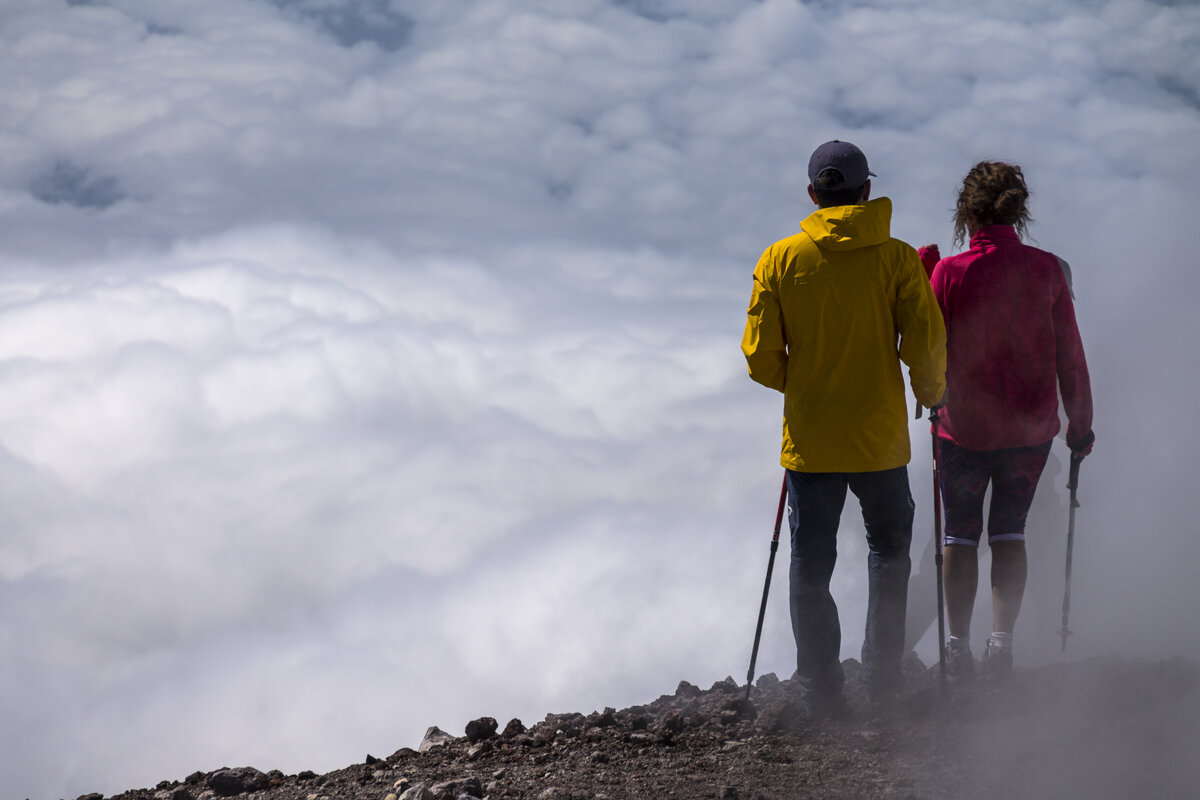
[[434, 737], [232, 782], [514, 728], [418, 792], [480, 729], [1102, 729]]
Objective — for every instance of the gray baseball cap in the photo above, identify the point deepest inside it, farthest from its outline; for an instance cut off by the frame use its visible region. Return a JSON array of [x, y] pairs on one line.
[[845, 158]]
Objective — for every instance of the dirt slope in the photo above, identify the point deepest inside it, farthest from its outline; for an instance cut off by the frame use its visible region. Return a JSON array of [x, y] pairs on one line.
[[1097, 729]]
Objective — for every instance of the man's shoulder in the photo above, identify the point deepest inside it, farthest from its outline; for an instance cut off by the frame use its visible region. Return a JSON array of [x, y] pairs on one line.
[[789, 247], [797, 239], [898, 255], [902, 247]]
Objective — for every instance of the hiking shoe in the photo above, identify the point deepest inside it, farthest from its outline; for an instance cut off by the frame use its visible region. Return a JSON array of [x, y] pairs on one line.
[[997, 661], [882, 705], [827, 707], [960, 664]]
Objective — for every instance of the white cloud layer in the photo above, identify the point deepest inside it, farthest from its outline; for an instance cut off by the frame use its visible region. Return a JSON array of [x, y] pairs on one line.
[[369, 365]]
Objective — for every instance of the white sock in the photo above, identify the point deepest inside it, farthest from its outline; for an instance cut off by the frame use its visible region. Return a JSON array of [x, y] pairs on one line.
[[1001, 639], [960, 642]]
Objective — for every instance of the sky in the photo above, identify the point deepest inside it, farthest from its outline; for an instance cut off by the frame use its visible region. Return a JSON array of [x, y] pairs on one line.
[[367, 365]]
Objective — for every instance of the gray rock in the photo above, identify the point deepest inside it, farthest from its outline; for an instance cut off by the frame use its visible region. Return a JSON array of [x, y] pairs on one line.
[[767, 681], [673, 721], [685, 689], [728, 686], [782, 717], [604, 720], [514, 728], [458, 787], [738, 709], [239, 780], [565, 724], [418, 792], [434, 737]]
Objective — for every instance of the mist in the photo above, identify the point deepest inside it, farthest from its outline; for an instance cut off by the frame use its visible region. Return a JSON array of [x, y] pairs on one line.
[[366, 366]]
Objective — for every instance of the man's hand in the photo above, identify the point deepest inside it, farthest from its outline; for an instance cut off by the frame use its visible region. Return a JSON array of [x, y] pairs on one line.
[[940, 404]]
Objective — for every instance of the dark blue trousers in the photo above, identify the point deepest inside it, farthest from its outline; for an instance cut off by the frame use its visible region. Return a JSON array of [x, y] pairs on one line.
[[816, 500]]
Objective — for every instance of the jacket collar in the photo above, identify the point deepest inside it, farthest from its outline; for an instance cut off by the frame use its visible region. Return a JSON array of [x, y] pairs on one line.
[[994, 235]]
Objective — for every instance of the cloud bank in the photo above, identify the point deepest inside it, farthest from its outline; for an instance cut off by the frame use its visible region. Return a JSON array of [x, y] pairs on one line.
[[370, 365]]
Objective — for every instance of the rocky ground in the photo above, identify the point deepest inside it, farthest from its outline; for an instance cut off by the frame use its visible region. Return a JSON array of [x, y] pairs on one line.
[[1097, 729]]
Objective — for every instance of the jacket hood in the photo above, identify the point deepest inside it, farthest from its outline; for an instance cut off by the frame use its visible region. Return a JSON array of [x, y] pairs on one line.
[[850, 227]]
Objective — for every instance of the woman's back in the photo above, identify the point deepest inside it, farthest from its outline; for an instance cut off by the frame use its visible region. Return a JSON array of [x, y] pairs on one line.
[[1009, 318]]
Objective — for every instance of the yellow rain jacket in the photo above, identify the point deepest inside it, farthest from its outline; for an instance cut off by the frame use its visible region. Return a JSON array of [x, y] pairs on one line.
[[835, 309]]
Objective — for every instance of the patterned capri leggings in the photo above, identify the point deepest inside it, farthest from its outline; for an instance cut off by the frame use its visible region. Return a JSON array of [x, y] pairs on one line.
[[1013, 474]]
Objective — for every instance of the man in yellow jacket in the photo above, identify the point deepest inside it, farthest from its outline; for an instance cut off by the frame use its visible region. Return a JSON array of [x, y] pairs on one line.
[[835, 309]]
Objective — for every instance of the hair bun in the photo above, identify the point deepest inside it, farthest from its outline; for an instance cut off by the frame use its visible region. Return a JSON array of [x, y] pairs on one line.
[[1010, 202]]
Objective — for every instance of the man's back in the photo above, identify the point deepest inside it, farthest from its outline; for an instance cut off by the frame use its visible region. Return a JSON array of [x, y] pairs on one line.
[[822, 328]]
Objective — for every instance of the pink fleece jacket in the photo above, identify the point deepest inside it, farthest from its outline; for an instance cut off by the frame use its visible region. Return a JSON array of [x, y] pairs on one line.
[[1011, 341]]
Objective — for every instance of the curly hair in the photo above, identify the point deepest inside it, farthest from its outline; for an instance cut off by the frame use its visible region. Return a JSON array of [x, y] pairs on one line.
[[993, 193]]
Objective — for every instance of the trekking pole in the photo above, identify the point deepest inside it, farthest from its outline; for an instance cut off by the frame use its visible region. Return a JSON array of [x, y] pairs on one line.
[[934, 418], [1073, 486], [762, 610]]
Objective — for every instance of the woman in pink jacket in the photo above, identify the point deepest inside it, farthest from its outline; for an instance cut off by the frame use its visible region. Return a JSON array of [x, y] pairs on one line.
[[1012, 345]]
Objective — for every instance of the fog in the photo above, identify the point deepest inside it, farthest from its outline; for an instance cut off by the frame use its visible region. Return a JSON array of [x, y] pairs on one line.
[[370, 365]]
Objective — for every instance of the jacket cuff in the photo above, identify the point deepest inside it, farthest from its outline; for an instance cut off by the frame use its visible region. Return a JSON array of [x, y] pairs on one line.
[[1082, 443]]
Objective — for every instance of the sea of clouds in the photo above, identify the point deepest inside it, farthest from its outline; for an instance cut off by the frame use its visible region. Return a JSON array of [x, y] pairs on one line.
[[367, 365]]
